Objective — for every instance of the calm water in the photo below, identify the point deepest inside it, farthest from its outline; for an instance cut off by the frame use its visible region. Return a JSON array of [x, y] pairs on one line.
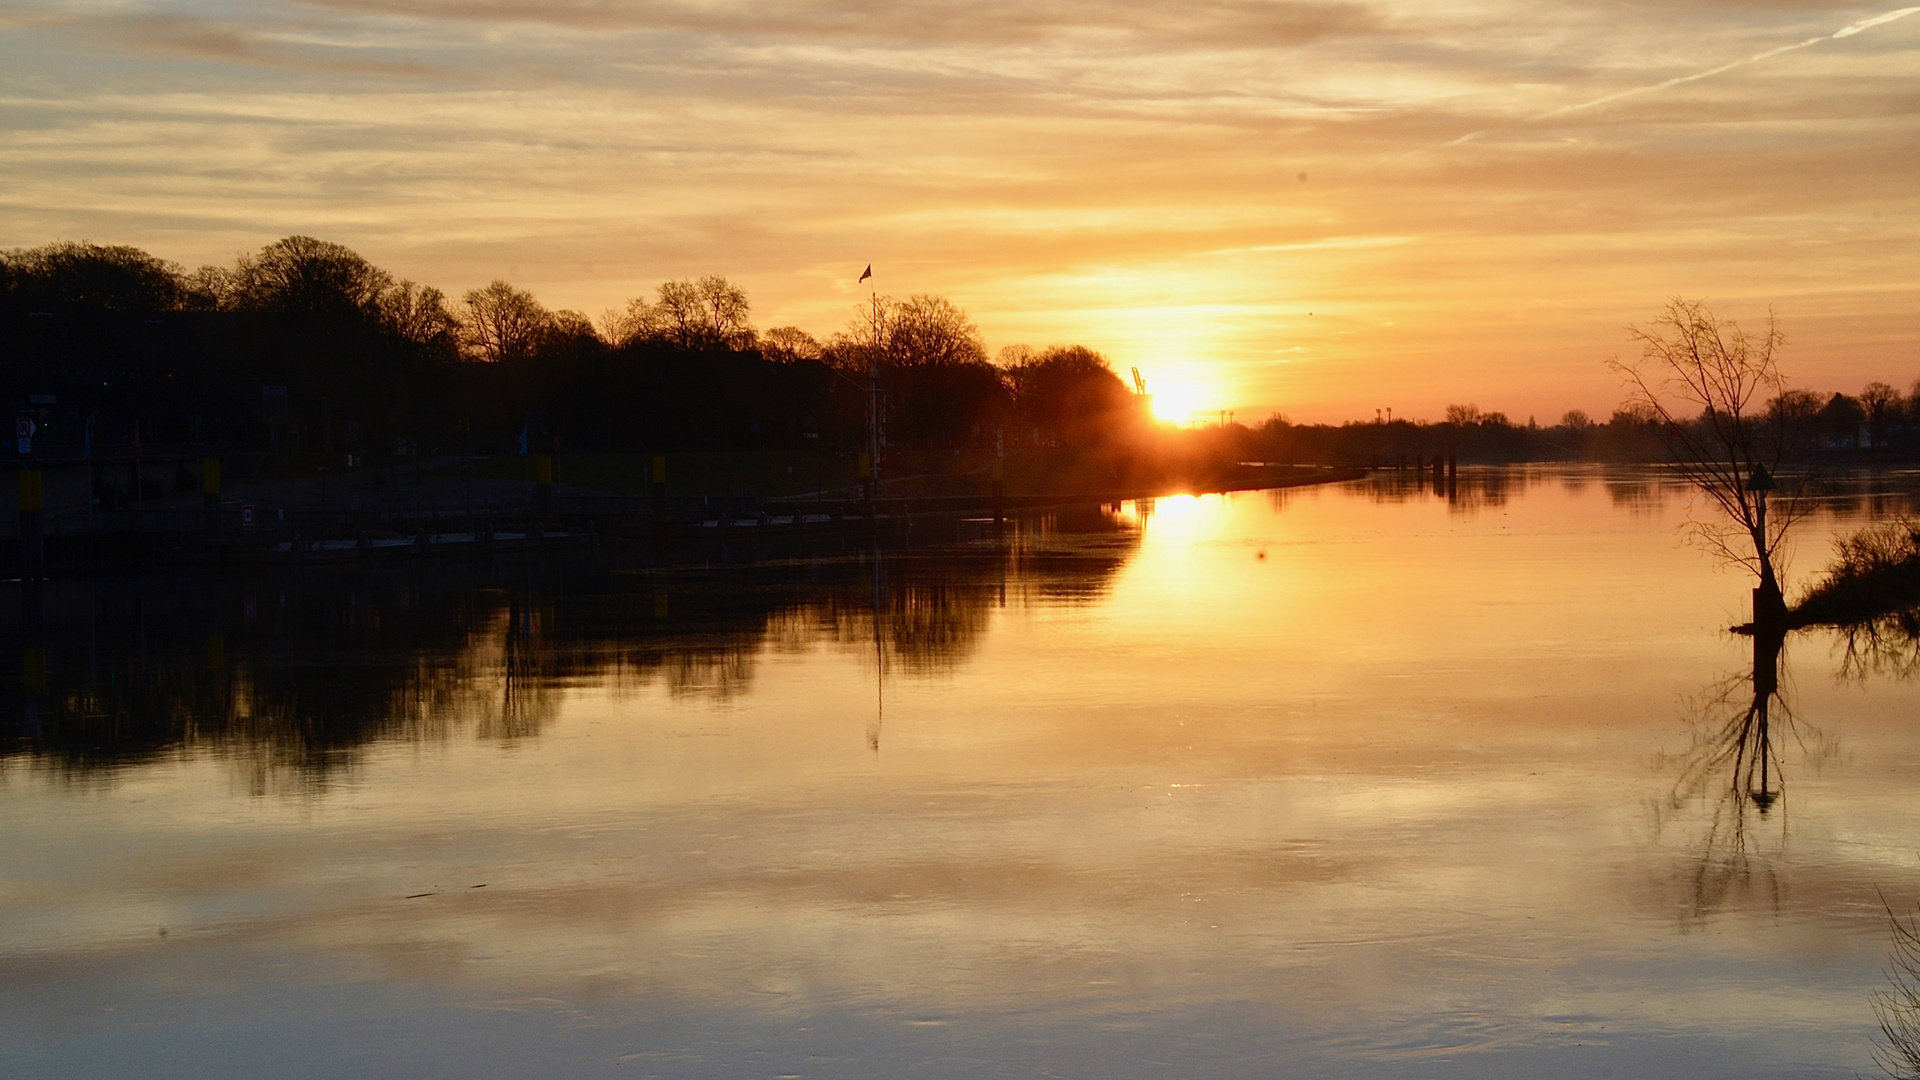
[[1348, 781]]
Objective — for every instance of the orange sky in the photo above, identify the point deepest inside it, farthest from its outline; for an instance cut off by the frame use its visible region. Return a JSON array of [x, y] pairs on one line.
[[1320, 208]]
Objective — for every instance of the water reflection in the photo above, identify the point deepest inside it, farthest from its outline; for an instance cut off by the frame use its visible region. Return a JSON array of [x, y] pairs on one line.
[[1471, 488], [1732, 783], [290, 676], [1897, 1004], [1361, 786]]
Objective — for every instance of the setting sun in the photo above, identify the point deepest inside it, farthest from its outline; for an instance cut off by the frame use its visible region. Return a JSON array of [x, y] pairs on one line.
[[1174, 402]]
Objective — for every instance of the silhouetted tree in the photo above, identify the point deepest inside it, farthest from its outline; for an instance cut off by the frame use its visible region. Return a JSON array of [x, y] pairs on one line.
[[65, 278], [419, 314], [1882, 404], [929, 331], [1839, 421], [303, 276], [705, 315], [1691, 360], [789, 344], [1068, 394], [504, 323]]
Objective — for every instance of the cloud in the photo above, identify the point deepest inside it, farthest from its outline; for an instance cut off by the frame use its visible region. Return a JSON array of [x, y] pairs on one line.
[[1159, 24], [1054, 166], [227, 40]]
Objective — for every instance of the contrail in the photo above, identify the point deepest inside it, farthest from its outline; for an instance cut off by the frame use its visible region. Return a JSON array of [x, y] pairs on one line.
[[1844, 32]]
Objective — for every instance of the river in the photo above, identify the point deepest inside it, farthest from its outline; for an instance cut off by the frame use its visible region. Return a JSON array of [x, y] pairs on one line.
[[1362, 780]]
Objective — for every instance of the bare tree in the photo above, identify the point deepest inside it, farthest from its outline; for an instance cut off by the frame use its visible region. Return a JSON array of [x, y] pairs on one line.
[[710, 313], [920, 331], [1704, 382], [302, 275], [419, 314], [930, 331], [504, 323], [788, 344], [1882, 403]]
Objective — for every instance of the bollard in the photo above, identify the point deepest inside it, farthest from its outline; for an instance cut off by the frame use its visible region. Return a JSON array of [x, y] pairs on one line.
[[33, 552]]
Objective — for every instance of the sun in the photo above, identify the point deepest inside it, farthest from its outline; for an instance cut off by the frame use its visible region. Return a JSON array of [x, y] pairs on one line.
[[1174, 403]]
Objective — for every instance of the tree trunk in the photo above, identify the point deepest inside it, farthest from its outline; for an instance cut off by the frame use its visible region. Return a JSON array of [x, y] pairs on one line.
[[1769, 605]]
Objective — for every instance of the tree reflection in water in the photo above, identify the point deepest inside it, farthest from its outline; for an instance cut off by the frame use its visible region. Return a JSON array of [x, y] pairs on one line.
[[1897, 1005], [1734, 770], [291, 676], [1888, 645]]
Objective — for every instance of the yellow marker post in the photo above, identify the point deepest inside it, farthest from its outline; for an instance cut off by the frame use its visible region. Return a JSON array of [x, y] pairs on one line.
[[210, 491], [31, 497]]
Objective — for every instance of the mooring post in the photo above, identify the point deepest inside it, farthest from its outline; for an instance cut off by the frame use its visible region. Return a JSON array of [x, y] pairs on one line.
[[33, 554], [543, 484]]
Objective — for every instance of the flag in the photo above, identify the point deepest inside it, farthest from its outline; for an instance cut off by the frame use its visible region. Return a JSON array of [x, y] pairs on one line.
[[865, 274]]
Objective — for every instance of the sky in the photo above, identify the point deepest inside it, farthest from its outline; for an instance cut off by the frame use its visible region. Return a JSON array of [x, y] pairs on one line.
[[1319, 209]]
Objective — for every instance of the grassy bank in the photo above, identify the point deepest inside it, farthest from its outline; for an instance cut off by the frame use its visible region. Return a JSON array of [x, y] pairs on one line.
[[1875, 571]]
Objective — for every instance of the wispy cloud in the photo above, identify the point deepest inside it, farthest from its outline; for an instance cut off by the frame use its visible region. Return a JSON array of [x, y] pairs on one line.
[[1247, 23], [1066, 169], [1844, 32]]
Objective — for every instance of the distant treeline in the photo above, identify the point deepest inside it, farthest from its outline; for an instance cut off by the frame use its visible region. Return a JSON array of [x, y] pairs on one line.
[[1878, 424], [306, 347]]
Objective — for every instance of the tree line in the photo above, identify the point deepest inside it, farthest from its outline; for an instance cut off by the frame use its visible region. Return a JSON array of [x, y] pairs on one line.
[[1877, 424], [306, 346]]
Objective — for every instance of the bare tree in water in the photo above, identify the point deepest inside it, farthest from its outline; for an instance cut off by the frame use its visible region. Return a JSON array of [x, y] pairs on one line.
[[1706, 383]]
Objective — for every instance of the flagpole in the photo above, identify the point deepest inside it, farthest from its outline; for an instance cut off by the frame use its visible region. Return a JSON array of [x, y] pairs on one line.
[[873, 397]]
